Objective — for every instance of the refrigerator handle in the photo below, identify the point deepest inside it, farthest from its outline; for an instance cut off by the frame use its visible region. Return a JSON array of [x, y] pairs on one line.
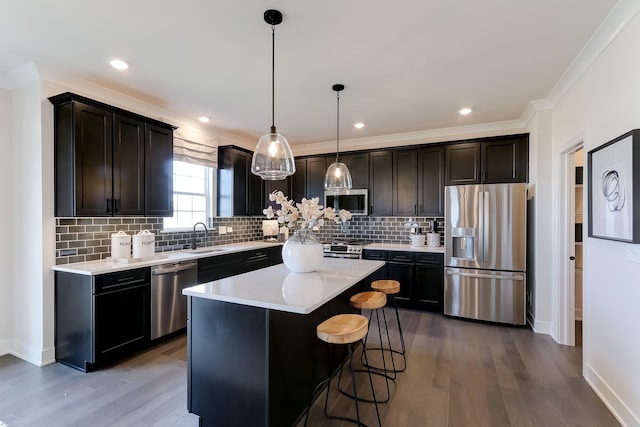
[[481, 232], [485, 228]]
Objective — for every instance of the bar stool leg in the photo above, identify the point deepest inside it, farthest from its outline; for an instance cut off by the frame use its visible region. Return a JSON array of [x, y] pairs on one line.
[[404, 350]]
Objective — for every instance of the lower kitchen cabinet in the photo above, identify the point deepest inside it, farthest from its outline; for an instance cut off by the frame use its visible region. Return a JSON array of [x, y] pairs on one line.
[[99, 319], [221, 266], [421, 277]]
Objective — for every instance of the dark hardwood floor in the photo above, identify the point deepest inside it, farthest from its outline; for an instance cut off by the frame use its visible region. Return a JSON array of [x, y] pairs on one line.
[[460, 373]]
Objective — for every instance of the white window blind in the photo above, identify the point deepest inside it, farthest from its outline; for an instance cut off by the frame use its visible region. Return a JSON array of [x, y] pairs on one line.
[[197, 153]]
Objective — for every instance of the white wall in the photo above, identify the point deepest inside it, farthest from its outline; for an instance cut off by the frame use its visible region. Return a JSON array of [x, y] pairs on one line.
[[6, 190], [603, 104]]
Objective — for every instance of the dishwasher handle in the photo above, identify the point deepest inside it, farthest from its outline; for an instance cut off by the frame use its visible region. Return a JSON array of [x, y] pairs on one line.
[[173, 268]]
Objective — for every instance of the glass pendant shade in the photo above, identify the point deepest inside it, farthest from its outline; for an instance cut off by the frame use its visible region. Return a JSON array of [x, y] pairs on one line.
[[273, 158], [337, 178]]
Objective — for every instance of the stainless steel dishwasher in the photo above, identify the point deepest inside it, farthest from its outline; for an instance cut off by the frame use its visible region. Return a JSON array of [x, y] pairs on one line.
[[168, 305]]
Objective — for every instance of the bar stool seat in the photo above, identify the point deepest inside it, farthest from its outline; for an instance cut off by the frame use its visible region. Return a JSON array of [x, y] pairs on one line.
[[346, 329], [391, 288]]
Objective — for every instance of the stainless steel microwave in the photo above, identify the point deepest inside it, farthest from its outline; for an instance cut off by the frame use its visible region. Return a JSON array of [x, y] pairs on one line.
[[355, 201]]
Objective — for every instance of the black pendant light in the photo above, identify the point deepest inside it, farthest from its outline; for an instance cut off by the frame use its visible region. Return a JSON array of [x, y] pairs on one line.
[[337, 177], [272, 158]]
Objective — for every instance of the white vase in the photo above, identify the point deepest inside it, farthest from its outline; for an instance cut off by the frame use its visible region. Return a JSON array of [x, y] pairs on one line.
[[302, 252]]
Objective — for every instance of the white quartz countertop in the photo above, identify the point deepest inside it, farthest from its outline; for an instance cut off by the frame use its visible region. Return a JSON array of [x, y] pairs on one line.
[[405, 247], [107, 266], [278, 288]]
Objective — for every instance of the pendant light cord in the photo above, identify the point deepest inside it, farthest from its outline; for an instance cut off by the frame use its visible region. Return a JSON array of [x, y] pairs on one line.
[[273, 79], [338, 125]]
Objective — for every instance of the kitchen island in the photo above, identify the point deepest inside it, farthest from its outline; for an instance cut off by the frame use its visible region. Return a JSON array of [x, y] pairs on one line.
[[253, 355]]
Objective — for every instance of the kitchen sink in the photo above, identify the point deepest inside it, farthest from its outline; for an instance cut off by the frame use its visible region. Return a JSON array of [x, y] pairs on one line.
[[204, 251]]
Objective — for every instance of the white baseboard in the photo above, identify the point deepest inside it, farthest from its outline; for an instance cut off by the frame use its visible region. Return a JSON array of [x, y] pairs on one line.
[[35, 356], [5, 347], [618, 408], [540, 327]]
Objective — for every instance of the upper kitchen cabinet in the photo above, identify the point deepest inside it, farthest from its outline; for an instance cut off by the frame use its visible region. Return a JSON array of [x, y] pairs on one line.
[[490, 161], [240, 193], [110, 161], [358, 164], [308, 181], [419, 182], [431, 181], [405, 180], [381, 183]]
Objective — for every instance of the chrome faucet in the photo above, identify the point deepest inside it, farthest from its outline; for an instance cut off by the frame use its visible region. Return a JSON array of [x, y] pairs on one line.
[[194, 245]]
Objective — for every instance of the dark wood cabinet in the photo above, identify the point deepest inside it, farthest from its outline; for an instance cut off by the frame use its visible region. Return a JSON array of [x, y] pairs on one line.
[[221, 266], [421, 277], [240, 193], [429, 281], [401, 268], [109, 161], [490, 161], [308, 181], [405, 182], [358, 164], [431, 181], [381, 183], [99, 319]]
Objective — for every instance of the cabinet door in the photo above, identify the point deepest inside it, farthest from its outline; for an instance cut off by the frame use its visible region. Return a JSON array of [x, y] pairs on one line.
[[405, 194], [505, 160], [358, 164], [122, 322], [380, 274], [403, 273], [256, 192], [241, 183], [316, 170], [158, 171], [240, 193], [128, 166], [381, 183], [429, 287], [462, 164], [431, 181], [299, 180], [93, 160]]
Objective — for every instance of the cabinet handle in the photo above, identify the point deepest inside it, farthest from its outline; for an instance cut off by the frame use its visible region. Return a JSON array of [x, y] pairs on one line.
[[108, 205], [415, 209], [116, 205]]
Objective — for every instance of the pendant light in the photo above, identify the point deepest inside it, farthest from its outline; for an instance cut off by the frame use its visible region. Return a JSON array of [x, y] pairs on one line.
[[272, 158], [338, 177]]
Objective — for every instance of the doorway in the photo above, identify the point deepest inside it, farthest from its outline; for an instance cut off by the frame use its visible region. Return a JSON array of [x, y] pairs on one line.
[[570, 293]]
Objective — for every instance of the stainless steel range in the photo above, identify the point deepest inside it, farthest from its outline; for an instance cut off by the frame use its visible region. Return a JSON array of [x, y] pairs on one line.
[[344, 249]]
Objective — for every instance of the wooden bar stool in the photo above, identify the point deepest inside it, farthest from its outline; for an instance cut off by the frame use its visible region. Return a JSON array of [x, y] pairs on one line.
[[374, 301], [346, 329], [391, 288]]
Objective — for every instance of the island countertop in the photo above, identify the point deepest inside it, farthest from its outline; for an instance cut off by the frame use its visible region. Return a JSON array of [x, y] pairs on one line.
[[278, 288]]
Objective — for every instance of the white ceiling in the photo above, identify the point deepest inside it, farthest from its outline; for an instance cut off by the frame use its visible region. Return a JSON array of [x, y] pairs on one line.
[[407, 66]]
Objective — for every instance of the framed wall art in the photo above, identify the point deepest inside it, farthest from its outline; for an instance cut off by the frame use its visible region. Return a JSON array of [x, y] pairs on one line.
[[614, 189]]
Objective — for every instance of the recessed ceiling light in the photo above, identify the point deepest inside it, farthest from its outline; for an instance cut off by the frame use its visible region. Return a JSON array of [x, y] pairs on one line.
[[204, 119], [465, 111], [358, 125], [119, 64]]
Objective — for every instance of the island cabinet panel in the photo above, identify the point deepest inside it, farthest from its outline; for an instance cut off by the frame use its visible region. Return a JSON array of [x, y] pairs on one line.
[[261, 368], [99, 319], [107, 161], [381, 183]]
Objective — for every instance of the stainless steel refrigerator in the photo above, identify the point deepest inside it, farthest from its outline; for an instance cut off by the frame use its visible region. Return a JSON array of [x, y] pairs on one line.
[[485, 252]]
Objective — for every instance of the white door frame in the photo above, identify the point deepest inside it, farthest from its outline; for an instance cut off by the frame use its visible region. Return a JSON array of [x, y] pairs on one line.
[[566, 243]]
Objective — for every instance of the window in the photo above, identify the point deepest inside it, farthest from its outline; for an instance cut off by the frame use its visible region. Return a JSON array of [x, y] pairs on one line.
[[192, 195]]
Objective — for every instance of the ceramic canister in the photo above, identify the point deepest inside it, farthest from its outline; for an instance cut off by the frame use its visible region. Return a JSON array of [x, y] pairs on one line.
[[433, 239], [144, 244], [120, 245]]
